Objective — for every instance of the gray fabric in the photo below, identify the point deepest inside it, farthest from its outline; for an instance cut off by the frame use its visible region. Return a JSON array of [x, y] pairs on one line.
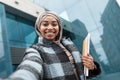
[[56, 64], [39, 64]]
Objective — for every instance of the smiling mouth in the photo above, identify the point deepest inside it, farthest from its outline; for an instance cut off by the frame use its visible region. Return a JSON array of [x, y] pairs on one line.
[[50, 34]]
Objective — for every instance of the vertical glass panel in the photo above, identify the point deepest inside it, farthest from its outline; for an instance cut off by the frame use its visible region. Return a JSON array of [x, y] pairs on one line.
[[28, 33], [0, 26], [5, 60], [1, 49], [1, 36], [13, 28], [22, 30]]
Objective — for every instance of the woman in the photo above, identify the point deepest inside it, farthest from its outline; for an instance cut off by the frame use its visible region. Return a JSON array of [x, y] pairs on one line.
[[53, 57]]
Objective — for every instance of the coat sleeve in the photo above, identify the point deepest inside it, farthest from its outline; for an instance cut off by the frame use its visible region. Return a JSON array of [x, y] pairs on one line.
[[30, 68], [95, 72]]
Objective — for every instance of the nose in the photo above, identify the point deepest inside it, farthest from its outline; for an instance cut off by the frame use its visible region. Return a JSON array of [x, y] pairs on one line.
[[50, 27]]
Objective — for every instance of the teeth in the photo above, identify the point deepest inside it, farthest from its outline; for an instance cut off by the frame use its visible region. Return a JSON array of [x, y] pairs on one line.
[[50, 32]]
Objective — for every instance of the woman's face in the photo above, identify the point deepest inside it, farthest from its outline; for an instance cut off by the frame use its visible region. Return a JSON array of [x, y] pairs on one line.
[[49, 28]]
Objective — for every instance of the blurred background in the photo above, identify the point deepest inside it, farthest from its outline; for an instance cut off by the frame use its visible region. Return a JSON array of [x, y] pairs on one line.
[[100, 18]]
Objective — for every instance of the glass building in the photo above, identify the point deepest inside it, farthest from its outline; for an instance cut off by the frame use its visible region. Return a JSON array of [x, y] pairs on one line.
[[100, 18]]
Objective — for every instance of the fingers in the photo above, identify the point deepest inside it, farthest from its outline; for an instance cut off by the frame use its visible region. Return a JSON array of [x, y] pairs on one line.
[[88, 61], [88, 57]]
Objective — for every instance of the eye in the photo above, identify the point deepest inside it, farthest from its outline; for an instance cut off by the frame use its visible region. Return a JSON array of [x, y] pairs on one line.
[[44, 24], [54, 24]]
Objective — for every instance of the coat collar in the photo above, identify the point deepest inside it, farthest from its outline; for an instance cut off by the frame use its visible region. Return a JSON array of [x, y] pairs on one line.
[[45, 41]]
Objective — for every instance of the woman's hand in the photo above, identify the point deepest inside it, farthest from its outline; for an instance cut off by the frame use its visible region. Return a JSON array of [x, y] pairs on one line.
[[88, 61]]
